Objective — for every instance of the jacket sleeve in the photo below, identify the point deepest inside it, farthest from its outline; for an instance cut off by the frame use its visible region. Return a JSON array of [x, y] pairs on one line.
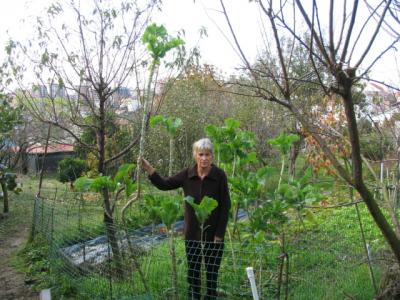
[[168, 183], [225, 206]]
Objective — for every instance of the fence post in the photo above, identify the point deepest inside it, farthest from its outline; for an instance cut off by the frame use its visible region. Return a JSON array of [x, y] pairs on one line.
[[282, 258], [52, 229], [371, 272], [84, 253], [41, 215], [33, 228], [109, 269], [250, 276], [45, 294], [79, 214]]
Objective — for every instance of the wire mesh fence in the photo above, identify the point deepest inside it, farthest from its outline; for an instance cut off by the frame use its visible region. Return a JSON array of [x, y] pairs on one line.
[[323, 261]]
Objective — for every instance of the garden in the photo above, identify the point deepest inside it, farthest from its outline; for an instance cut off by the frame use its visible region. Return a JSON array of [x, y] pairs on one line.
[[309, 152]]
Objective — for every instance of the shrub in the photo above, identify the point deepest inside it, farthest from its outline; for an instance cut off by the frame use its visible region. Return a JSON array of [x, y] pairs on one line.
[[70, 168], [374, 146]]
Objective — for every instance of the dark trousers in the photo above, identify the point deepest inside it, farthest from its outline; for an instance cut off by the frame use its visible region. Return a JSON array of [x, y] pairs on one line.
[[212, 254]]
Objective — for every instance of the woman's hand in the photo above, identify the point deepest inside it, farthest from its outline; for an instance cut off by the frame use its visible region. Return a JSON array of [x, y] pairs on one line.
[[147, 167], [217, 239]]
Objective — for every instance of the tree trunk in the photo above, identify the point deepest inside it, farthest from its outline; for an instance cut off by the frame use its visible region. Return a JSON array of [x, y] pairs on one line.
[[5, 197], [44, 160], [294, 153], [379, 219], [111, 230], [358, 183], [390, 200]]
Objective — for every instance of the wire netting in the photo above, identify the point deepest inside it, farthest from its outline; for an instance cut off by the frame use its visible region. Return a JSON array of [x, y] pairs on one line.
[[326, 260]]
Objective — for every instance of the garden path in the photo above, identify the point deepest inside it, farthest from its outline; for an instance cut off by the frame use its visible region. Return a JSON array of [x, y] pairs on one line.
[[12, 282]]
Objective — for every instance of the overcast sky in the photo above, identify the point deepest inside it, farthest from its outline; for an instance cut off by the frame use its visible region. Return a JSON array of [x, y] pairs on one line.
[[176, 15], [191, 16]]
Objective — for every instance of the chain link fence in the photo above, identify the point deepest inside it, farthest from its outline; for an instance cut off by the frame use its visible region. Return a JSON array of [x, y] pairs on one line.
[[327, 260]]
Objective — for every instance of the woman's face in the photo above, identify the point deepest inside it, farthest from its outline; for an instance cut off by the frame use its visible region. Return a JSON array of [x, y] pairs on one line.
[[203, 158]]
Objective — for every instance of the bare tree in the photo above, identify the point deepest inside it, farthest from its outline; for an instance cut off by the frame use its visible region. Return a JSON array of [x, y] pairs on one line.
[[84, 54], [343, 46]]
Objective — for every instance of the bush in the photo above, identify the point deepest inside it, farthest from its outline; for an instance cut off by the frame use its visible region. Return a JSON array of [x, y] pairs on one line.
[[71, 168], [375, 147]]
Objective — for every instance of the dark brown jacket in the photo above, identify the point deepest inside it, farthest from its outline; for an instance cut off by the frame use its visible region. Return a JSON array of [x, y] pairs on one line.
[[214, 185]]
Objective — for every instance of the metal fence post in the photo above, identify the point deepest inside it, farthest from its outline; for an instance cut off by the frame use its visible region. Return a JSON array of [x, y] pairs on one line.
[[33, 228], [109, 269], [371, 272], [52, 229], [41, 215]]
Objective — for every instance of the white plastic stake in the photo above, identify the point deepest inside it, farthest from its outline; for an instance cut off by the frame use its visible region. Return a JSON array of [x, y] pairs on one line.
[[250, 275], [45, 294]]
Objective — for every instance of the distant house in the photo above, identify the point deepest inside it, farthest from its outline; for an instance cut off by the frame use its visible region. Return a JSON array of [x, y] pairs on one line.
[[55, 153], [382, 102]]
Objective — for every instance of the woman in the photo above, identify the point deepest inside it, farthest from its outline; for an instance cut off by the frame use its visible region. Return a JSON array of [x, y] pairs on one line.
[[202, 179]]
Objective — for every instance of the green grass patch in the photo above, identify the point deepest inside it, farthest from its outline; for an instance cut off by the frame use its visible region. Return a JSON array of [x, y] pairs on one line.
[[326, 255]]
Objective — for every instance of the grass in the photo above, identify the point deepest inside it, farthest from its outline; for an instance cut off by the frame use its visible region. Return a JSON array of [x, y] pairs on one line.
[[327, 260], [33, 261], [337, 249], [20, 208]]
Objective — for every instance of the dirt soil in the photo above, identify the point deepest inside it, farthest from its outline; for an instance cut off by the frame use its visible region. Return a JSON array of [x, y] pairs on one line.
[[12, 282]]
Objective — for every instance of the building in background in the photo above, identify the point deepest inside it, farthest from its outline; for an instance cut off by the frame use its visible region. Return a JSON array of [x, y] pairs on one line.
[[36, 157]]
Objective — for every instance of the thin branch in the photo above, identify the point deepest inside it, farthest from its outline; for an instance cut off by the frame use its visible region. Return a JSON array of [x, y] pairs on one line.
[[349, 32], [318, 41], [372, 40], [243, 56], [331, 30], [123, 151]]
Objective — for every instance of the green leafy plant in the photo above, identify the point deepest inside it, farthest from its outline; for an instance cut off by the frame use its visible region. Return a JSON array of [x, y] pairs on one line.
[[113, 186], [150, 207], [71, 168], [234, 148], [168, 209], [202, 210], [9, 118], [169, 213], [300, 192], [122, 181], [171, 124], [7, 183], [283, 142], [158, 43]]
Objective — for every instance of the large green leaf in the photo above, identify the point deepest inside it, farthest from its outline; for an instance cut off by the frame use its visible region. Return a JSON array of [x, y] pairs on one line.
[[130, 187], [82, 184], [204, 209], [176, 124], [172, 125], [170, 211], [124, 173], [284, 141], [232, 123], [155, 120], [158, 42], [102, 182], [152, 207]]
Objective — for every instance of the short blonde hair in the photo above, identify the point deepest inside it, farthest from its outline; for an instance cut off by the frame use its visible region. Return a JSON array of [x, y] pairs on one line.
[[202, 144]]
